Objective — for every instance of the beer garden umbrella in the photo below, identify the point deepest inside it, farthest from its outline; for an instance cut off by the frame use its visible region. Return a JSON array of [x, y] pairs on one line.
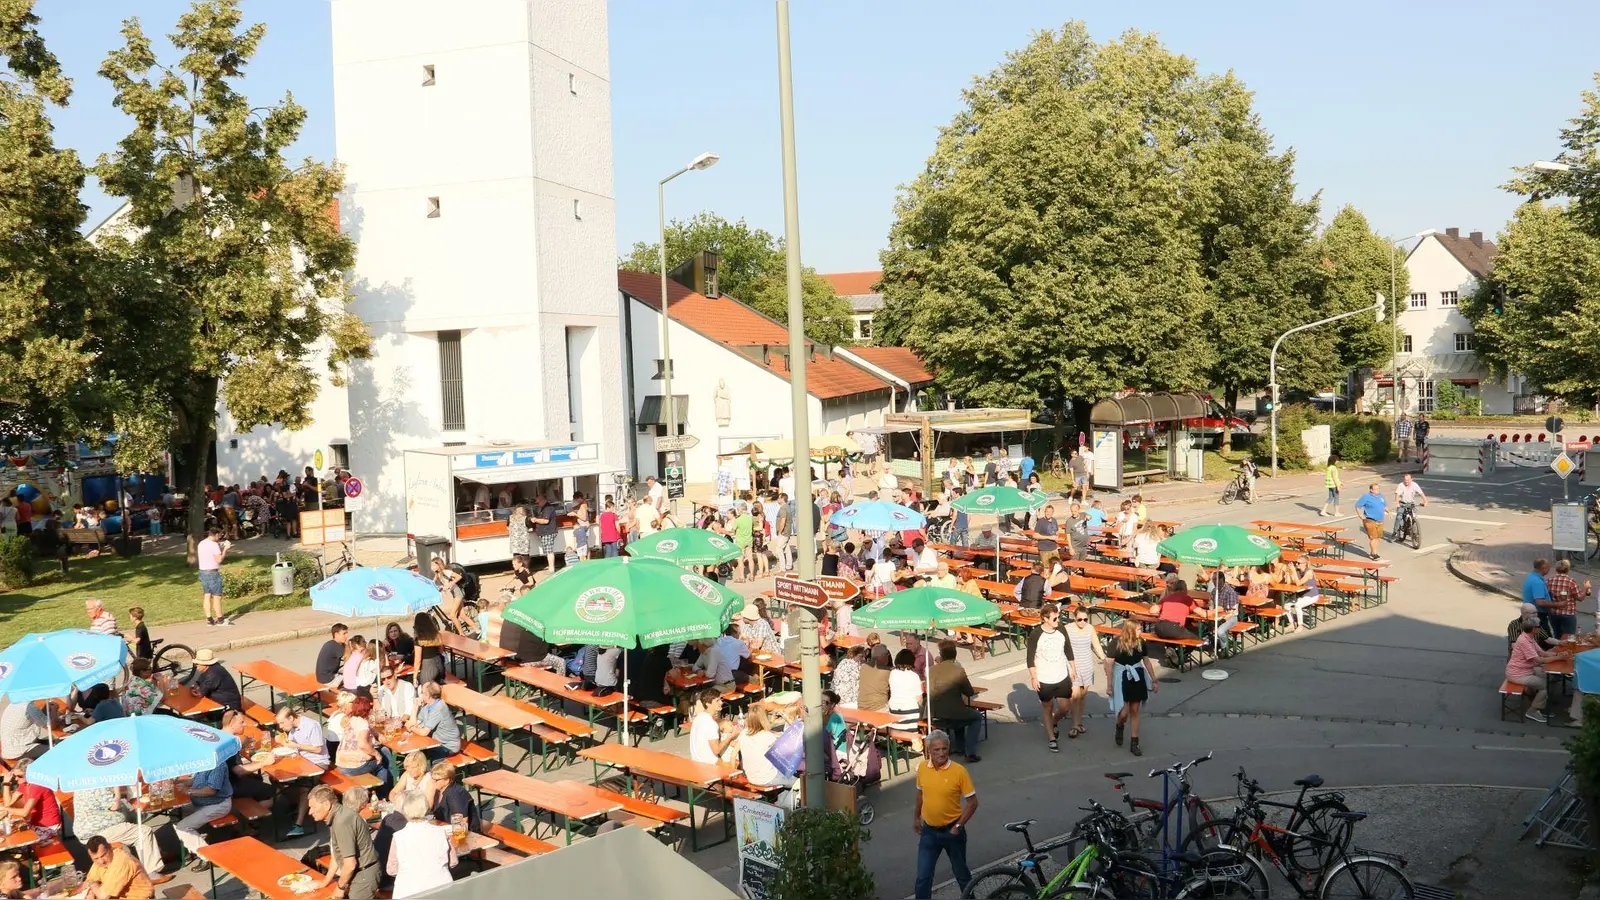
[[623, 602], [1219, 546], [878, 515], [1000, 501], [685, 547], [375, 591], [925, 608]]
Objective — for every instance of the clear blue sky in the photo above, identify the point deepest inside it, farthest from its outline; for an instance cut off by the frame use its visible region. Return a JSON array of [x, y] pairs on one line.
[[1413, 112]]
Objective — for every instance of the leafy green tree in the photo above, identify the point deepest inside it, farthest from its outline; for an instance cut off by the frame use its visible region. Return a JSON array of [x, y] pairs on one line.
[[1539, 313], [54, 311], [1048, 251], [1353, 265], [751, 268], [1580, 142], [236, 262]]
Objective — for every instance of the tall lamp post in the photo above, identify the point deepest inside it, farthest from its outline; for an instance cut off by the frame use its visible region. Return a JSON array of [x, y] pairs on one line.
[[805, 532], [1394, 350], [1272, 363], [703, 161]]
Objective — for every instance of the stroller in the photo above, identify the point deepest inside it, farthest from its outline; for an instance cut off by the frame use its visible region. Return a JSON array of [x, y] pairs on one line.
[[859, 765]]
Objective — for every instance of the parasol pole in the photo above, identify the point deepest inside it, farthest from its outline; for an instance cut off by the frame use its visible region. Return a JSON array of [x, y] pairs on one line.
[[625, 696], [927, 681]]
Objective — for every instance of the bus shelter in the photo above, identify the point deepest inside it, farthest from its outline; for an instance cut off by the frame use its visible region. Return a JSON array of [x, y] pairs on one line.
[[1142, 436]]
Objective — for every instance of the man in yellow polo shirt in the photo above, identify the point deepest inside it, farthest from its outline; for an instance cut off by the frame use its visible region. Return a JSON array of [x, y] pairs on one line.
[[1333, 482], [946, 801], [115, 873]]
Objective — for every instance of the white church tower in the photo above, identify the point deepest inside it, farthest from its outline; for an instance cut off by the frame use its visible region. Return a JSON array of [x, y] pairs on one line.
[[476, 140]]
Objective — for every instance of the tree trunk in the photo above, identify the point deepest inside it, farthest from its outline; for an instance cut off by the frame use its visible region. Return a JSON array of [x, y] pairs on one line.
[[196, 437], [1230, 399]]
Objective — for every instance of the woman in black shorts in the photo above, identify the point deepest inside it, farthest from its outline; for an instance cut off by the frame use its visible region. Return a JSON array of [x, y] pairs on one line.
[[1130, 679]]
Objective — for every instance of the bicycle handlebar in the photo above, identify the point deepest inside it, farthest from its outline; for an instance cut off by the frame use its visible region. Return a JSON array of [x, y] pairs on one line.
[[1181, 769]]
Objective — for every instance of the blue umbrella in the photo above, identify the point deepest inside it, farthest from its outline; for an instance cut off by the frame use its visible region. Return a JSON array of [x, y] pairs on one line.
[[125, 751], [1587, 665], [376, 591], [42, 666], [878, 515]]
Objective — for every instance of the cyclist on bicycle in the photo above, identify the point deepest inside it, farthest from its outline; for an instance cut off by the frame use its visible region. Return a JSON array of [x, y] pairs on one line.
[[1247, 474], [1406, 495]]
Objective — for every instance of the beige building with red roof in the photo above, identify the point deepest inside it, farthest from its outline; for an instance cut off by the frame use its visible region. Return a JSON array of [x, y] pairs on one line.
[[861, 290]]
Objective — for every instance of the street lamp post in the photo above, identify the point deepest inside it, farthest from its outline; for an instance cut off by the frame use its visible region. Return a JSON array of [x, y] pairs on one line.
[[1394, 350], [703, 161], [805, 533], [1272, 364]]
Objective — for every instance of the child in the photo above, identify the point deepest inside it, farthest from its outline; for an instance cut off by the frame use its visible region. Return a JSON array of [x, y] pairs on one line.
[[139, 639]]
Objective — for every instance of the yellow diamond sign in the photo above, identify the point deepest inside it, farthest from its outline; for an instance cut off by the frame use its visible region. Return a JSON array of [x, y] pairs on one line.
[[1563, 465]]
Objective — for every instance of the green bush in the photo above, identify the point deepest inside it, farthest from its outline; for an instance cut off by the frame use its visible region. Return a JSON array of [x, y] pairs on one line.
[[1359, 439], [1451, 401], [244, 582], [819, 858], [307, 571], [16, 562]]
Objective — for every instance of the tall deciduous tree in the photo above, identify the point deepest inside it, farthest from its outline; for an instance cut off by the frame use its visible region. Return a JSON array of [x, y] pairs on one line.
[[235, 252], [1047, 250], [751, 268], [1353, 265], [1539, 314], [53, 313], [1580, 153]]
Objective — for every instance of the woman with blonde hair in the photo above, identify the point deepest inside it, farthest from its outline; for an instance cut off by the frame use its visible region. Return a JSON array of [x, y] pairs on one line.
[[753, 743], [1130, 680], [414, 775]]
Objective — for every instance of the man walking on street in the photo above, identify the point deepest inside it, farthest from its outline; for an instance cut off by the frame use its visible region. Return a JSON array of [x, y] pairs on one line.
[[1049, 659], [1331, 479], [1421, 432], [946, 802], [1371, 509], [1402, 433]]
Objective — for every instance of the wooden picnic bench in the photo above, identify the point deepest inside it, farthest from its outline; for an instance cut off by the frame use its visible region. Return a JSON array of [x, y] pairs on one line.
[[698, 781], [85, 537]]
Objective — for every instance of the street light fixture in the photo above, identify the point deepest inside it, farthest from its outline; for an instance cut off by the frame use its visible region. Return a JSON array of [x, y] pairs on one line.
[[1394, 313], [703, 161], [1272, 365], [1545, 165]]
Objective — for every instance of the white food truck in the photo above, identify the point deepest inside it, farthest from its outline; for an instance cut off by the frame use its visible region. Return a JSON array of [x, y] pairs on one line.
[[466, 494]]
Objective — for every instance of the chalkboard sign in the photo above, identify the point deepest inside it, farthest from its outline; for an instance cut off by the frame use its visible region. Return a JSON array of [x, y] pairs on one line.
[[756, 827], [1568, 527]]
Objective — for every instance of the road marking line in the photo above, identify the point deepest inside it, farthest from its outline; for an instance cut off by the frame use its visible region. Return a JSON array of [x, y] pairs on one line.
[[1001, 673], [1520, 749], [1459, 521], [1430, 548]]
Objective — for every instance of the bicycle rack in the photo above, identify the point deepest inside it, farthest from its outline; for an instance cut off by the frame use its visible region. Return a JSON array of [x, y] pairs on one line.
[[1562, 820]]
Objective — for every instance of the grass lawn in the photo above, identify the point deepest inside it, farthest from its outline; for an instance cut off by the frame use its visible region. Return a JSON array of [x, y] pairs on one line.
[[166, 586]]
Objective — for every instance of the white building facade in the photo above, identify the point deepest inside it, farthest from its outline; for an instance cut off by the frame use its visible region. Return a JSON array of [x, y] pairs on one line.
[[476, 141], [1436, 339]]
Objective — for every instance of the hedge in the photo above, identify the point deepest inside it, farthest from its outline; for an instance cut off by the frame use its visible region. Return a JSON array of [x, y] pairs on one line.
[[1356, 438]]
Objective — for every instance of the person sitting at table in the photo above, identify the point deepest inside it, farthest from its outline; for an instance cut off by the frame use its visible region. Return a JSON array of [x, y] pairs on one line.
[[752, 744], [756, 632], [358, 746], [141, 697], [1029, 592], [434, 719], [923, 559], [881, 580], [397, 643], [873, 694], [25, 729], [905, 688], [396, 697], [99, 704], [1127, 524], [10, 880], [1302, 574], [1541, 637], [847, 675], [35, 804], [359, 669], [414, 775], [451, 798], [115, 873], [101, 620], [303, 734], [244, 775], [1145, 540], [391, 824], [1257, 585], [353, 871], [102, 812], [1526, 667], [420, 855], [1172, 612], [722, 659], [427, 658], [1224, 605], [944, 578], [709, 735], [329, 670], [214, 682], [210, 798]]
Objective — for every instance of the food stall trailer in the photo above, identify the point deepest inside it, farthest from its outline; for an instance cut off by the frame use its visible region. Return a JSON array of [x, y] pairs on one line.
[[1143, 436], [928, 425], [454, 493]]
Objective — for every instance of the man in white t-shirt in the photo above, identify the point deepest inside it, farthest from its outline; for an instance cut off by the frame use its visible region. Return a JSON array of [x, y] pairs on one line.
[[1406, 493], [606, 663], [887, 483], [657, 493], [786, 483], [647, 518], [924, 561], [1049, 655]]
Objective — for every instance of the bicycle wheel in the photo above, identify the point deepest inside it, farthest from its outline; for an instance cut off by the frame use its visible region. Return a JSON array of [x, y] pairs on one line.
[[1368, 879], [177, 661], [999, 883], [1229, 872], [1230, 493], [1414, 531], [1321, 837], [1214, 834]]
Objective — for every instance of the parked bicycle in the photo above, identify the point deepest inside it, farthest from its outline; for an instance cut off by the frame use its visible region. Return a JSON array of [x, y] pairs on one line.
[[1591, 538], [1148, 818], [1315, 858], [1309, 816], [1030, 876], [1407, 529], [176, 661]]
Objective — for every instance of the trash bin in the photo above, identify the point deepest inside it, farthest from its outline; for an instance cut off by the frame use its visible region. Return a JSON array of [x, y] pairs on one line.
[[427, 547], [282, 578]]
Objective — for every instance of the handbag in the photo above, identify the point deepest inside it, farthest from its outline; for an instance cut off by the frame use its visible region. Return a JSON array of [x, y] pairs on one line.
[[788, 753]]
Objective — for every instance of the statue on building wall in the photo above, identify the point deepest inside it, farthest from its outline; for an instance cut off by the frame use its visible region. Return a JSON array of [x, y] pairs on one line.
[[724, 403]]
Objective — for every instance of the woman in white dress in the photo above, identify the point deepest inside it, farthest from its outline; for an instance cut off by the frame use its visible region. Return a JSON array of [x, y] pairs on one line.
[[421, 856], [1087, 654]]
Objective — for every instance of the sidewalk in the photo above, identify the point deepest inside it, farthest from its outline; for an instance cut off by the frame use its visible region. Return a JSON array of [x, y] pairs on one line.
[[1287, 483], [1503, 558]]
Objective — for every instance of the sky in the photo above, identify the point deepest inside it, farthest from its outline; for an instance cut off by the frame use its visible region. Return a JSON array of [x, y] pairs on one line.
[[1414, 113]]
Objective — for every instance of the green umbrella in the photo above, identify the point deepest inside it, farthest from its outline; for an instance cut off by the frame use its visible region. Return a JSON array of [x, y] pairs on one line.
[[923, 609], [685, 547], [1219, 545], [623, 601], [1002, 501]]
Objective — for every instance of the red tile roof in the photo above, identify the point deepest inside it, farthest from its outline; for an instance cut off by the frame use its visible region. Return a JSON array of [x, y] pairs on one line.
[[851, 284], [731, 323], [901, 362]]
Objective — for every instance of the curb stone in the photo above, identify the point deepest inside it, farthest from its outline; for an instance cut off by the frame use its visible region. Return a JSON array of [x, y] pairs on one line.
[[1462, 572], [298, 633]]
